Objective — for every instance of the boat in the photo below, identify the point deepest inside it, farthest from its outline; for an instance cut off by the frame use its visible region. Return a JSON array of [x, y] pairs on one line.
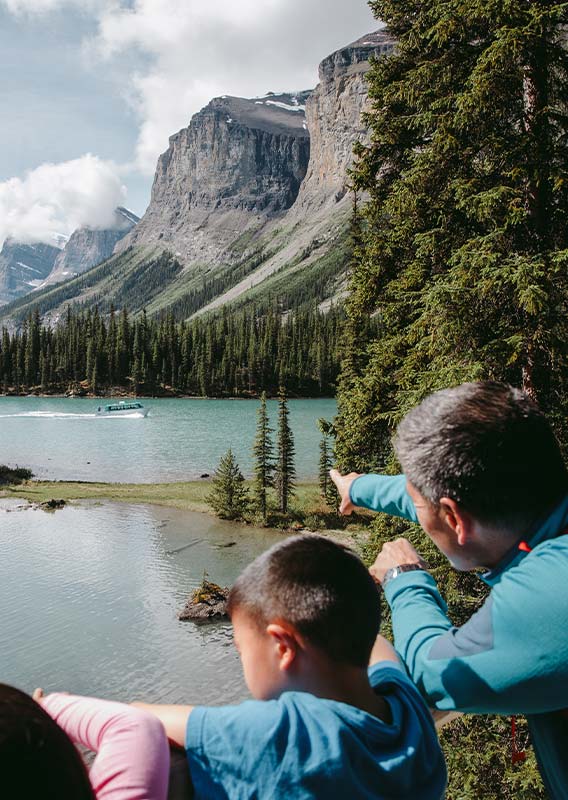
[[122, 409]]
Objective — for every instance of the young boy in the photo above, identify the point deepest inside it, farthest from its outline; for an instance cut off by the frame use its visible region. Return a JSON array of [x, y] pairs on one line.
[[323, 724]]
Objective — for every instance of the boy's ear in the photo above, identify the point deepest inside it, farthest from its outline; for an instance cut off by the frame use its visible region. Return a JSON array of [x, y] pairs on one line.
[[459, 520], [286, 644]]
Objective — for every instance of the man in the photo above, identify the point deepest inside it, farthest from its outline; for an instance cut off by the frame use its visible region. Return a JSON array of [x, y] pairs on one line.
[[485, 478]]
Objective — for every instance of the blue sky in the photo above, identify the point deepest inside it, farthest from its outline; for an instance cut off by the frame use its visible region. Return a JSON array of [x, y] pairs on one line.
[[115, 78]]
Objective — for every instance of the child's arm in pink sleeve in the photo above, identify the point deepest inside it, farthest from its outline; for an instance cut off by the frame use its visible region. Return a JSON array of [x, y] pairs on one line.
[[133, 756]]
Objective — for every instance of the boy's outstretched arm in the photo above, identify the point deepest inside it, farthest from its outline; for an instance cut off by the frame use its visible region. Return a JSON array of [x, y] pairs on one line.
[[383, 651], [173, 718]]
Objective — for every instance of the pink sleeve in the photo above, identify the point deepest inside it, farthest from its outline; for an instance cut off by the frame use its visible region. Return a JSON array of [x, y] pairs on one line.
[[133, 756]]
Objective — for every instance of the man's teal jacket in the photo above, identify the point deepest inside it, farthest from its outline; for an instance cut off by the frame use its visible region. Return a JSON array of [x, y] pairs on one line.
[[511, 657]]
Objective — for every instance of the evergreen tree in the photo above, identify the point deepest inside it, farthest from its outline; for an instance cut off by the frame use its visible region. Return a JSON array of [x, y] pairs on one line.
[[327, 487], [215, 355], [465, 237], [285, 473], [229, 496], [460, 261], [263, 458]]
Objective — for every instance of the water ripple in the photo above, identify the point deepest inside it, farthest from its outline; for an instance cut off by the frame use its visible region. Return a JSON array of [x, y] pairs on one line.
[[89, 599]]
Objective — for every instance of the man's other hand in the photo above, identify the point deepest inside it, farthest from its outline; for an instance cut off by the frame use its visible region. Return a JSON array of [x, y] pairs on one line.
[[395, 554], [343, 483]]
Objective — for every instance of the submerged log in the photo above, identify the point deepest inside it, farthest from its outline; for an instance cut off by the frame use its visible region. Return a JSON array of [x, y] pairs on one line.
[[208, 603]]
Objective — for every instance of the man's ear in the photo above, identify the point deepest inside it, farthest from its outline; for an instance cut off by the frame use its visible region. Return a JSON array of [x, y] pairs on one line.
[[286, 644], [459, 520]]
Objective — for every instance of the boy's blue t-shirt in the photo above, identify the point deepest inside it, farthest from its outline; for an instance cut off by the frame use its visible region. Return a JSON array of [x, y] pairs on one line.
[[301, 746]]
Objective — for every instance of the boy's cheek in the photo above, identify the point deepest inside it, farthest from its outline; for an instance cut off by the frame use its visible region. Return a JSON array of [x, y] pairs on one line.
[[261, 683]]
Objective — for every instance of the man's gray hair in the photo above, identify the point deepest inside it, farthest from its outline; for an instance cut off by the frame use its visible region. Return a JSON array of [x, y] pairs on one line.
[[487, 446]]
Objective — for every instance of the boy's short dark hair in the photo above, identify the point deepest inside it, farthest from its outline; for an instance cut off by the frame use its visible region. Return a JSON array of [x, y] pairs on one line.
[[487, 446], [320, 587]]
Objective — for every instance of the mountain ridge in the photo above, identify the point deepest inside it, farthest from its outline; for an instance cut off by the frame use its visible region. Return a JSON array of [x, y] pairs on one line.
[[53, 263], [250, 201]]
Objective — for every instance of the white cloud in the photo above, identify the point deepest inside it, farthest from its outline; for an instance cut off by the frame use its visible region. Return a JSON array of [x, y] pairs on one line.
[[196, 50], [176, 55], [59, 198], [34, 7]]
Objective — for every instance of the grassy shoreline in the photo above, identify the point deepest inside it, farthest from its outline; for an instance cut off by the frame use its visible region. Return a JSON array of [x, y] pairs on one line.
[[184, 495], [308, 511], [188, 496]]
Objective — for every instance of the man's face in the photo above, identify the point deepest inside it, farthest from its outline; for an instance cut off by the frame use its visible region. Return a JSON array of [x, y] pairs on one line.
[[256, 649], [434, 521]]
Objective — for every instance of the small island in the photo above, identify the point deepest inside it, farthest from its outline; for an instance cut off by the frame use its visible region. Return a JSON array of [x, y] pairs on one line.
[[207, 603]]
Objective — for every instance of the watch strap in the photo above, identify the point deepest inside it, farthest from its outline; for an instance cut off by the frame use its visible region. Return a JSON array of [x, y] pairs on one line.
[[394, 572]]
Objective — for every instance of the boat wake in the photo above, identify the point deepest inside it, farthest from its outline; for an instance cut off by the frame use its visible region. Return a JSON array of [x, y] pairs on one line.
[[47, 415], [68, 415]]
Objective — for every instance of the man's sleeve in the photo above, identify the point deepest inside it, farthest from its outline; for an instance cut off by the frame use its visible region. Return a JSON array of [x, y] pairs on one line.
[[510, 657], [385, 493]]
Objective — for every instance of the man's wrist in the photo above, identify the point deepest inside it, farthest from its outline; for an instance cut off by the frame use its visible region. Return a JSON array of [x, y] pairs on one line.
[[400, 569]]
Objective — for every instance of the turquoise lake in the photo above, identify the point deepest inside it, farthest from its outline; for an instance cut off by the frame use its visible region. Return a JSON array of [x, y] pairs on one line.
[[63, 439], [89, 598], [89, 595]]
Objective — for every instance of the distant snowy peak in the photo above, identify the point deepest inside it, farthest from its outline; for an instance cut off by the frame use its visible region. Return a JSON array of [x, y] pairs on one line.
[[291, 101], [124, 215], [271, 112], [59, 240], [23, 267], [88, 247]]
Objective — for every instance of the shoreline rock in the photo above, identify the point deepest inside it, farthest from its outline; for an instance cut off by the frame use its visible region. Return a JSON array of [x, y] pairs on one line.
[[208, 603]]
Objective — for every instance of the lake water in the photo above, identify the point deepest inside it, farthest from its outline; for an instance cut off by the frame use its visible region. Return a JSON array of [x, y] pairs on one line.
[[89, 597], [63, 439]]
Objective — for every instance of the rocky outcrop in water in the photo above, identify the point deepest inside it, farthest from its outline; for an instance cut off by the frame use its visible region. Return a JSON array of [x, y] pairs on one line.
[[208, 603], [88, 247], [239, 163]]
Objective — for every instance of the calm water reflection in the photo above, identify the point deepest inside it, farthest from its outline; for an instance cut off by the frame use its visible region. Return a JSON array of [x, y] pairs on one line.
[[89, 595]]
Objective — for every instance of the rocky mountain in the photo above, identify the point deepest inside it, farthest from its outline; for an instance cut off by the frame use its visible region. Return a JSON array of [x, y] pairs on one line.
[[313, 233], [250, 202], [239, 163], [88, 247], [333, 117], [24, 267]]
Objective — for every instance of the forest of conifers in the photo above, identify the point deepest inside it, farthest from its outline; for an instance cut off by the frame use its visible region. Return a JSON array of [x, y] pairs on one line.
[[461, 254], [237, 354]]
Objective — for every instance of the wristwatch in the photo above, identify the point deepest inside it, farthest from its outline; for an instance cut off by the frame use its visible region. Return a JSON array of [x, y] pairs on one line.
[[394, 572]]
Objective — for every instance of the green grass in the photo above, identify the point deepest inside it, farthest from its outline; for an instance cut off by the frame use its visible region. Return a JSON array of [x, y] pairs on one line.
[[307, 509], [189, 496]]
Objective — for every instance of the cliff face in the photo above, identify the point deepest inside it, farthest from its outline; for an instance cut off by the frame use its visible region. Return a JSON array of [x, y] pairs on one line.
[[239, 163], [24, 267], [320, 215], [333, 117], [241, 172], [251, 200], [88, 247]]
